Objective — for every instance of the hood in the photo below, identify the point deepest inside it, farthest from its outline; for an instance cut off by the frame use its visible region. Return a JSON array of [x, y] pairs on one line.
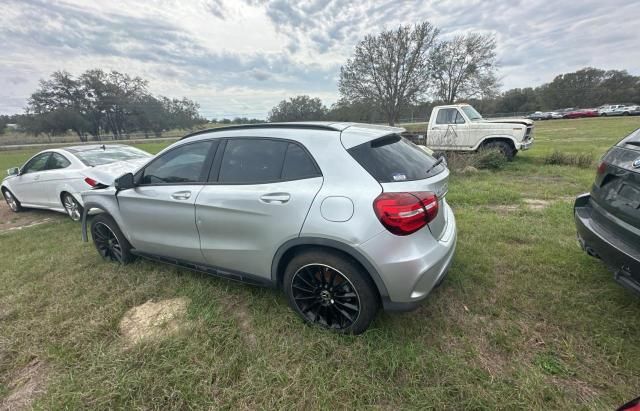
[[106, 173], [523, 121]]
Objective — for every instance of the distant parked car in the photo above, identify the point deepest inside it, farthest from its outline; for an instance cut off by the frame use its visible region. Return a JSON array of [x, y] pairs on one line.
[[581, 113], [632, 110], [555, 115], [53, 179], [608, 218], [610, 110], [539, 115]]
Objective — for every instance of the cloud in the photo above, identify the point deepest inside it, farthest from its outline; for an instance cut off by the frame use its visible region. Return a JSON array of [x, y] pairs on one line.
[[244, 56]]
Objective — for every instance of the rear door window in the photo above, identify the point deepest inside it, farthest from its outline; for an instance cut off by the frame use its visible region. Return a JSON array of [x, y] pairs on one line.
[[298, 164], [394, 158], [252, 161]]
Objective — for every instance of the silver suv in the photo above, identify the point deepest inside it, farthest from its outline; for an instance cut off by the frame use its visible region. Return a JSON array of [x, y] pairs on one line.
[[343, 217]]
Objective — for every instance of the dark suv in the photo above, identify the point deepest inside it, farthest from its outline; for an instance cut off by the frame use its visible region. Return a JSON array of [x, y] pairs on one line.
[[608, 219]]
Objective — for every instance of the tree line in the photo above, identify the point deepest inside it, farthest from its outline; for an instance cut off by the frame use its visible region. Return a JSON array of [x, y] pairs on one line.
[[102, 104], [403, 73], [584, 88], [396, 74]]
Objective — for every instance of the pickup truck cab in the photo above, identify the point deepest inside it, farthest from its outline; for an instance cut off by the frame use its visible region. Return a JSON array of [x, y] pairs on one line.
[[460, 127]]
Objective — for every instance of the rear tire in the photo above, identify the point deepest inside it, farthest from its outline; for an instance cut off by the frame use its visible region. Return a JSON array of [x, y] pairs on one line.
[[505, 148], [109, 241], [12, 201], [331, 291], [71, 205]]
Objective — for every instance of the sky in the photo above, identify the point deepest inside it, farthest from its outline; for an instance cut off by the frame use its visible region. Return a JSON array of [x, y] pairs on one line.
[[239, 58]]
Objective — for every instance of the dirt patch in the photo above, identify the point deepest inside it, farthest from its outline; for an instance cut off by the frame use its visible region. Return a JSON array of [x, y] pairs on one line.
[[504, 208], [536, 204], [25, 386], [239, 310], [154, 320], [10, 221]]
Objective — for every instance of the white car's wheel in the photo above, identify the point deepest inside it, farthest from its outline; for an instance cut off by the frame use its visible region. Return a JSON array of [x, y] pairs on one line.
[[73, 208], [12, 202]]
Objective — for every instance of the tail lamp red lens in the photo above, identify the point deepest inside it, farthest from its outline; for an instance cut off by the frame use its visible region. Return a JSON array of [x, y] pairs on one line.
[[601, 168], [90, 181], [406, 213]]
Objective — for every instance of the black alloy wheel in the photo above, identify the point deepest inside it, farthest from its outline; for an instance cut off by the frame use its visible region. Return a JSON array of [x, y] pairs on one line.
[[325, 296]]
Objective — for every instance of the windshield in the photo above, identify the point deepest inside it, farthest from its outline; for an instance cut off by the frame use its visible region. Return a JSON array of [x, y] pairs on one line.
[[100, 156], [471, 113]]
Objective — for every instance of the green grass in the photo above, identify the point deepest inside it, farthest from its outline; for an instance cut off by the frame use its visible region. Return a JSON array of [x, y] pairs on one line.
[[524, 321]]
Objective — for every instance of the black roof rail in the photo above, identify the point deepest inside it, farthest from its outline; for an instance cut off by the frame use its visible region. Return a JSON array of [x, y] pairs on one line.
[[309, 126]]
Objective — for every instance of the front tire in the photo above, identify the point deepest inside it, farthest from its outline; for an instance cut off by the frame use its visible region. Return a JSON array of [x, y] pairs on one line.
[[12, 201], [505, 148], [109, 241], [331, 291], [71, 205]]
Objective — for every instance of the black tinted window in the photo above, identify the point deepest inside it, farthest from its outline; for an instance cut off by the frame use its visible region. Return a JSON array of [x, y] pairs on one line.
[[632, 139], [36, 164], [184, 164], [58, 161], [252, 161], [298, 164], [394, 158]]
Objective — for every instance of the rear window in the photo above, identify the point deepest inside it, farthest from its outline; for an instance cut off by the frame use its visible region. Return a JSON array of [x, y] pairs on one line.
[[394, 158], [100, 156], [632, 140]]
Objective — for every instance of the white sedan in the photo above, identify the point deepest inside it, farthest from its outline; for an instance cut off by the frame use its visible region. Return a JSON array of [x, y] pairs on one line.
[[53, 179]]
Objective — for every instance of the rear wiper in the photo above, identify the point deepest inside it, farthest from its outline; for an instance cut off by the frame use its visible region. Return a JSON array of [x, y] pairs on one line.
[[633, 143], [436, 164]]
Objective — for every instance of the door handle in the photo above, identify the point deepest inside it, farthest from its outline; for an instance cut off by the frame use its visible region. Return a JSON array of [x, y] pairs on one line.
[[181, 195], [36, 177], [275, 198]]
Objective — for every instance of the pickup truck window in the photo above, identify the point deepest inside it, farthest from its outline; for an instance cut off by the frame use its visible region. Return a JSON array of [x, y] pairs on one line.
[[394, 159], [449, 116]]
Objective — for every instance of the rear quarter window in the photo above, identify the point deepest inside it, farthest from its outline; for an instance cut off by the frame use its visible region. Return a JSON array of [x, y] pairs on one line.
[[631, 141], [394, 159]]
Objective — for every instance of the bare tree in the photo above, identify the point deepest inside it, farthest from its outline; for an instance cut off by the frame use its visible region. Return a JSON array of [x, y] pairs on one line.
[[465, 67], [389, 70]]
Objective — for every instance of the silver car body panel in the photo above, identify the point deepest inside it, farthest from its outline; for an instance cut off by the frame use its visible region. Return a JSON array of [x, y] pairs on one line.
[[249, 227]]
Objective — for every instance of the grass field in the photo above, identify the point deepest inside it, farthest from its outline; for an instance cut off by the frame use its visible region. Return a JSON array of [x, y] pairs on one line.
[[525, 319]]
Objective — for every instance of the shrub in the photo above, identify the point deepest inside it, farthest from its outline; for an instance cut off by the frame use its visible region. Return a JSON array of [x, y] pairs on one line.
[[583, 160], [484, 159]]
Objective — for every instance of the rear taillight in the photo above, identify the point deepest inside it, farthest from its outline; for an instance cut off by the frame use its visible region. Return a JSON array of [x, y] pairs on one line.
[[601, 168], [406, 213], [91, 181]]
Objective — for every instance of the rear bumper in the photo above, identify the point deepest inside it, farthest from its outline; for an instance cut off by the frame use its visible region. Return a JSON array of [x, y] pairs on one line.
[[411, 266], [601, 242]]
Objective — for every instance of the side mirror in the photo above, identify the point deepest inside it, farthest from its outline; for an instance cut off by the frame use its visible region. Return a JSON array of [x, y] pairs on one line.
[[13, 171], [124, 182]]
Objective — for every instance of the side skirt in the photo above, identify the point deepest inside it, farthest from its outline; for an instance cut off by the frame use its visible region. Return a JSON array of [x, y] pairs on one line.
[[209, 269]]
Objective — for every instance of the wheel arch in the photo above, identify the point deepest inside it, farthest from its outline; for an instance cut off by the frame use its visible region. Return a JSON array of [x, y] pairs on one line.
[[286, 251], [65, 190], [504, 138]]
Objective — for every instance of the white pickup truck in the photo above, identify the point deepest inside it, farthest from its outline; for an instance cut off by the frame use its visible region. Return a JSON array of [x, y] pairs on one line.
[[460, 127]]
